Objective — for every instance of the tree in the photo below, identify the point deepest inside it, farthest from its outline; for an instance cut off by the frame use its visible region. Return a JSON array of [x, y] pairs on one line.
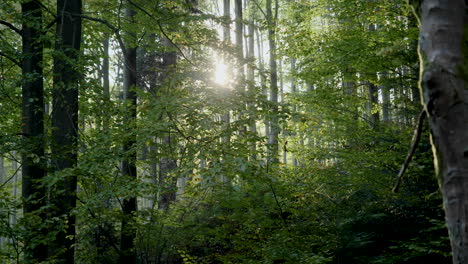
[[64, 146], [274, 124], [128, 169], [442, 44], [33, 189]]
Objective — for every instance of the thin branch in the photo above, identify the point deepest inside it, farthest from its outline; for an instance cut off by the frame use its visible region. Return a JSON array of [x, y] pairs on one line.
[[114, 29], [188, 138], [158, 21], [15, 61], [108, 236], [10, 26], [414, 145], [260, 8], [12, 176]]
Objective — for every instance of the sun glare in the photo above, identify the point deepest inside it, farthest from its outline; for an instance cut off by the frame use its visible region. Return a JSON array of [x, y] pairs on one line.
[[220, 77]]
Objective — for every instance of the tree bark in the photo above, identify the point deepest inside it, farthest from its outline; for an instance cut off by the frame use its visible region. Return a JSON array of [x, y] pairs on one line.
[[442, 46], [293, 91], [168, 183], [128, 169], [274, 124], [251, 76], [65, 125], [373, 94], [33, 124], [239, 43]]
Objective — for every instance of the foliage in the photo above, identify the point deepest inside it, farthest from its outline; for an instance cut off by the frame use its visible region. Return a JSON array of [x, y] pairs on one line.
[[330, 202]]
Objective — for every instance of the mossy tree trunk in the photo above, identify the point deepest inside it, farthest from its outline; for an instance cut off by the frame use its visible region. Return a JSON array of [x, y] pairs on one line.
[[444, 88]]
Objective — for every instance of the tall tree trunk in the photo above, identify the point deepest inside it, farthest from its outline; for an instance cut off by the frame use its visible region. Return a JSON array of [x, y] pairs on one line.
[[239, 42], [385, 88], [65, 125], [294, 107], [373, 99], [105, 78], [274, 124], [226, 118], [261, 70], [442, 45], [251, 75], [129, 170], [14, 191], [33, 126], [168, 184], [281, 92]]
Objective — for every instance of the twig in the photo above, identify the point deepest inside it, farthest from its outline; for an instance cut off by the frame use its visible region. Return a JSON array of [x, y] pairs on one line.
[[414, 145]]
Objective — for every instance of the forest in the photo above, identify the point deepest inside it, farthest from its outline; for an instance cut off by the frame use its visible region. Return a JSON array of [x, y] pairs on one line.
[[234, 131]]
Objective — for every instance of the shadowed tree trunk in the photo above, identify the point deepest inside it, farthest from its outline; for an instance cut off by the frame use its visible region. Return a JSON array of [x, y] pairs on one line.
[[128, 169], [168, 183], [33, 125], [442, 46], [65, 125]]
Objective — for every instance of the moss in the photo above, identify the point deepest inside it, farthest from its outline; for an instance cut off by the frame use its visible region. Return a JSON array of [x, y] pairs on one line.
[[415, 4]]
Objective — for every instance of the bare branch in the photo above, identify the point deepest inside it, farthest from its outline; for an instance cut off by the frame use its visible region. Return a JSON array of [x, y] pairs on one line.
[[414, 145], [12, 176]]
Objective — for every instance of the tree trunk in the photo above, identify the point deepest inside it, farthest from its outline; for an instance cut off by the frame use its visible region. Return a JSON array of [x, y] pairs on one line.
[[385, 88], [373, 99], [443, 82], [294, 107], [65, 125], [105, 79], [129, 170], [168, 183], [239, 43], [274, 124], [33, 125], [251, 76]]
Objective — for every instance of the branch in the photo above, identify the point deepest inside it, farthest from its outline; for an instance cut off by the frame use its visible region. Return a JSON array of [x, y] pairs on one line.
[[10, 26], [106, 23], [414, 145], [158, 21], [261, 10], [15, 61], [12, 176]]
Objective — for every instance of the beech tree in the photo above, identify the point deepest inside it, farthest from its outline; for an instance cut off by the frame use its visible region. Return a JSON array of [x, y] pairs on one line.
[[442, 44], [128, 169], [64, 147], [33, 189]]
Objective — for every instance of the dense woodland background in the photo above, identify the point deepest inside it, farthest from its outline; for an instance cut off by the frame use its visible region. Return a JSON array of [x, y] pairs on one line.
[[173, 131]]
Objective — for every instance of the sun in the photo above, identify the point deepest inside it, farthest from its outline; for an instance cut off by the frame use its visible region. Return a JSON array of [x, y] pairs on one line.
[[220, 74]]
